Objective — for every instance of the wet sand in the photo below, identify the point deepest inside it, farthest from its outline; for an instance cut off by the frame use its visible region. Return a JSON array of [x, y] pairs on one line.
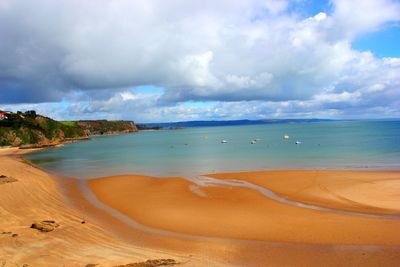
[[217, 225], [229, 211], [36, 196], [376, 192]]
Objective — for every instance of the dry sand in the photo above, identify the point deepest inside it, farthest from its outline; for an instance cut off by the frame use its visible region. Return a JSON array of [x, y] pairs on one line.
[[234, 217], [36, 196]]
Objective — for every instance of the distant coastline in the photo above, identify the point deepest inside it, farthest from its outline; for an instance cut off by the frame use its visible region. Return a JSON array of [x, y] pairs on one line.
[[31, 130], [212, 123], [217, 123]]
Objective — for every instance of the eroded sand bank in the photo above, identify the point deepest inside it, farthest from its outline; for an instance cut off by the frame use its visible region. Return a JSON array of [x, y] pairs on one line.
[[375, 192], [226, 211]]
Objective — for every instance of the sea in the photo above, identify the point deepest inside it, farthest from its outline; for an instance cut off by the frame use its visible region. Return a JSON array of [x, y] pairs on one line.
[[195, 151]]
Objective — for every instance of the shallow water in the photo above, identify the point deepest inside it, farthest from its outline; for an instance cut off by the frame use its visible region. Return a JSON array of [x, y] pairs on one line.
[[194, 151]]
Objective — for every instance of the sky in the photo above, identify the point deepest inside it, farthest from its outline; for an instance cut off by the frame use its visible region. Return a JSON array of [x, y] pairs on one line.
[[177, 60]]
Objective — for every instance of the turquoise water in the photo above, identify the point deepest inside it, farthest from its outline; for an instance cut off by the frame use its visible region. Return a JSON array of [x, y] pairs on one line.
[[194, 151]]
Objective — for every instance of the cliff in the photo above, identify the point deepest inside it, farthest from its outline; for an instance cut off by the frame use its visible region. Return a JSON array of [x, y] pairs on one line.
[[31, 130], [103, 127]]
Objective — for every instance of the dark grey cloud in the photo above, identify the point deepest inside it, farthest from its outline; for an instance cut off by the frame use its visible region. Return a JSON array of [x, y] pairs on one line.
[[91, 52]]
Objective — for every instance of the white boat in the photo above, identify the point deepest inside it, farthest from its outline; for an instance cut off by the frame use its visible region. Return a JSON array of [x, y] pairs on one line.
[[253, 142], [224, 141], [297, 142], [286, 136]]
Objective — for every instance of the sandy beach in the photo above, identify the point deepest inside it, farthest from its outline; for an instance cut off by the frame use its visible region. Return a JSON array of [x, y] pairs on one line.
[[243, 213], [375, 192], [211, 224], [36, 196], [151, 133]]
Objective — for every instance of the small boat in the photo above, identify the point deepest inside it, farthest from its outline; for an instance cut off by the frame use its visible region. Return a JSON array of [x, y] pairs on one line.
[[286, 137], [224, 141], [297, 142], [253, 142]]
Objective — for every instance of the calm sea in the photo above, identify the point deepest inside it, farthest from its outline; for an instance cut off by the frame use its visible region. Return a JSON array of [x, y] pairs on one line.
[[195, 151]]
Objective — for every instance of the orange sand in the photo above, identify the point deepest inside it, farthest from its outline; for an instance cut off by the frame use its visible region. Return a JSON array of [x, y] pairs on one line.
[[243, 213], [106, 241], [36, 196], [360, 191]]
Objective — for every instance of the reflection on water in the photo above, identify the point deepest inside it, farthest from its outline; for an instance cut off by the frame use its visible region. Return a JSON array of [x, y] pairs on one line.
[[43, 160]]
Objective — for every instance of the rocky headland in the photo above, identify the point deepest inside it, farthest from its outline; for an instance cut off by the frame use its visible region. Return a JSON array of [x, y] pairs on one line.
[[30, 130]]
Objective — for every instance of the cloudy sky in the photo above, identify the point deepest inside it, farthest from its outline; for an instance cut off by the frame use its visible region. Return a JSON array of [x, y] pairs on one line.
[[157, 60]]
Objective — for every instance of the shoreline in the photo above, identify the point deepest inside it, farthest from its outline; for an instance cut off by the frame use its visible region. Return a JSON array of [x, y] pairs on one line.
[[59, 143], [110, 241], [37, 196]]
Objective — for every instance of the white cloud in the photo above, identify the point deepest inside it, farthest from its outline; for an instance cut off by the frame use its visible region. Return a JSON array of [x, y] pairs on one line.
[[202, 51], [359, 16], [345, 97], [320, 16]]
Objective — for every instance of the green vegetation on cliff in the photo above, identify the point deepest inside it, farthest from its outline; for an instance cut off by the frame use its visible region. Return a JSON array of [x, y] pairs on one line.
[[29, 129], [101, 127]]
